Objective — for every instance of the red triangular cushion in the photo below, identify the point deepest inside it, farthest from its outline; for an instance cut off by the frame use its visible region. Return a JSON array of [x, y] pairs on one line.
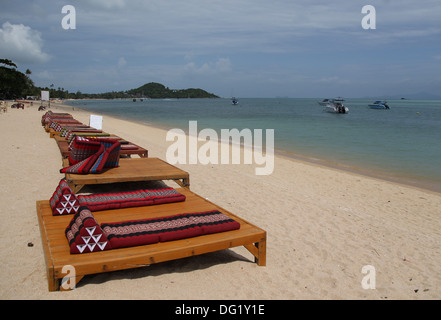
[[63, 200]]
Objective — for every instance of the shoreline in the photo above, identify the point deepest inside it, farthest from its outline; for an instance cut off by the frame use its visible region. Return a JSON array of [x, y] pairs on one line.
[[367, 172], [362, 172]]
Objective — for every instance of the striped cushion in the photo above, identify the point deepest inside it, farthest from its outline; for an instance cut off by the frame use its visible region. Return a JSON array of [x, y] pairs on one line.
[[145, 197], [63, 200], [81, 149], [109, 158], [84, 166], [148, 231], [91, 155], [84, 234]]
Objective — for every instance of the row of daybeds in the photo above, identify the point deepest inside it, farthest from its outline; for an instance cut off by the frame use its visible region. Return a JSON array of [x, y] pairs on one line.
[[63, 128], [107, 231]]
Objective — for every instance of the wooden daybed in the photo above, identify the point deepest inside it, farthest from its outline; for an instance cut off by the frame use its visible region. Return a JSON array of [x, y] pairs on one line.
[[87, 131], [134, 149], [56, 247], [134, 169]]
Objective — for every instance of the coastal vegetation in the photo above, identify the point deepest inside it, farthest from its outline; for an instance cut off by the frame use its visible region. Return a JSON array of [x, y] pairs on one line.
[[15, 84]]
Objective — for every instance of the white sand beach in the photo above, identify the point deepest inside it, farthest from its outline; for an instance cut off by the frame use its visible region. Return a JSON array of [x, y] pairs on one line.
[[323, 226]]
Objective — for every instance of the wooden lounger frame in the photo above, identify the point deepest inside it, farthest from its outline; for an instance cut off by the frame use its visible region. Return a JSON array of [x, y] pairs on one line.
[[135, 169], [57, 254]]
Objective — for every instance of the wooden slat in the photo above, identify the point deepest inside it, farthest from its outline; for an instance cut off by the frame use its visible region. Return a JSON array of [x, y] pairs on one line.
[[57, 254]]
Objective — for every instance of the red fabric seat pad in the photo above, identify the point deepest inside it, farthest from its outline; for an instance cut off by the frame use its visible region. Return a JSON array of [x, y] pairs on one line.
[[82, 148], [148, 231], [145, 197], [84, 166], [92, 155], [64, 200]]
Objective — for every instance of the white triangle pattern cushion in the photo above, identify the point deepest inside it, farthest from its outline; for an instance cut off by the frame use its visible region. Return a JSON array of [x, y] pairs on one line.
[[63, 200], [84, 234]]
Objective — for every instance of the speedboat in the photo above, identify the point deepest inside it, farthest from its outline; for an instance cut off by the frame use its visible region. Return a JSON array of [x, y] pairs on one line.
[[334, 105], [379, 105], [234, 101], [324, 102]]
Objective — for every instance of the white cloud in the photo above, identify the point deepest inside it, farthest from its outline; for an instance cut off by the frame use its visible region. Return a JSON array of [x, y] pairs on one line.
[[44, 75], [21, 44], [107, 4], [122, 62], [222, 65], [329, 79]]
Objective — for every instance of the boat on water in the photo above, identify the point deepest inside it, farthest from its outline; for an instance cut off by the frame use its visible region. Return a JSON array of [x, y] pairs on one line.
[[324, 102], [379, 104], [234, 101], [334, 105]]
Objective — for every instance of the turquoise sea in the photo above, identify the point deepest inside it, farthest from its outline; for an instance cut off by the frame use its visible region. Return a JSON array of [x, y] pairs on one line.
[[400, 144]]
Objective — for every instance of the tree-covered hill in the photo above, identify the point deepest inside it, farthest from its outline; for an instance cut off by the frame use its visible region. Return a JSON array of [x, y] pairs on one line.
[[156, 90], [15, 84]]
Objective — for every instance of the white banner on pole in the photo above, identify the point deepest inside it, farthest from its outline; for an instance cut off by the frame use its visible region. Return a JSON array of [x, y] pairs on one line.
[[96, 122], [44, 95]]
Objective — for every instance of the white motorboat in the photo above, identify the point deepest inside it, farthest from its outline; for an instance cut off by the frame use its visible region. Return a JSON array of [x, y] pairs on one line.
[[334, 105], [379, 105], [324, 102]]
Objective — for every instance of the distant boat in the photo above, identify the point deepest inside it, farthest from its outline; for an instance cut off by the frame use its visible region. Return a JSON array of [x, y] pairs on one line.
[[379, 105], [234, 101], [334, 105], [324, 102]]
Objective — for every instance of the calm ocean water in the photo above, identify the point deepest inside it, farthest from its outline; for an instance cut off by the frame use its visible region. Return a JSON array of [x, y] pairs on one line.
[[403, 143]]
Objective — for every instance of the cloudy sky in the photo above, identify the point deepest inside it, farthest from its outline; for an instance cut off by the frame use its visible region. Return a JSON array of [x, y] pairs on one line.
[[246, 48]]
